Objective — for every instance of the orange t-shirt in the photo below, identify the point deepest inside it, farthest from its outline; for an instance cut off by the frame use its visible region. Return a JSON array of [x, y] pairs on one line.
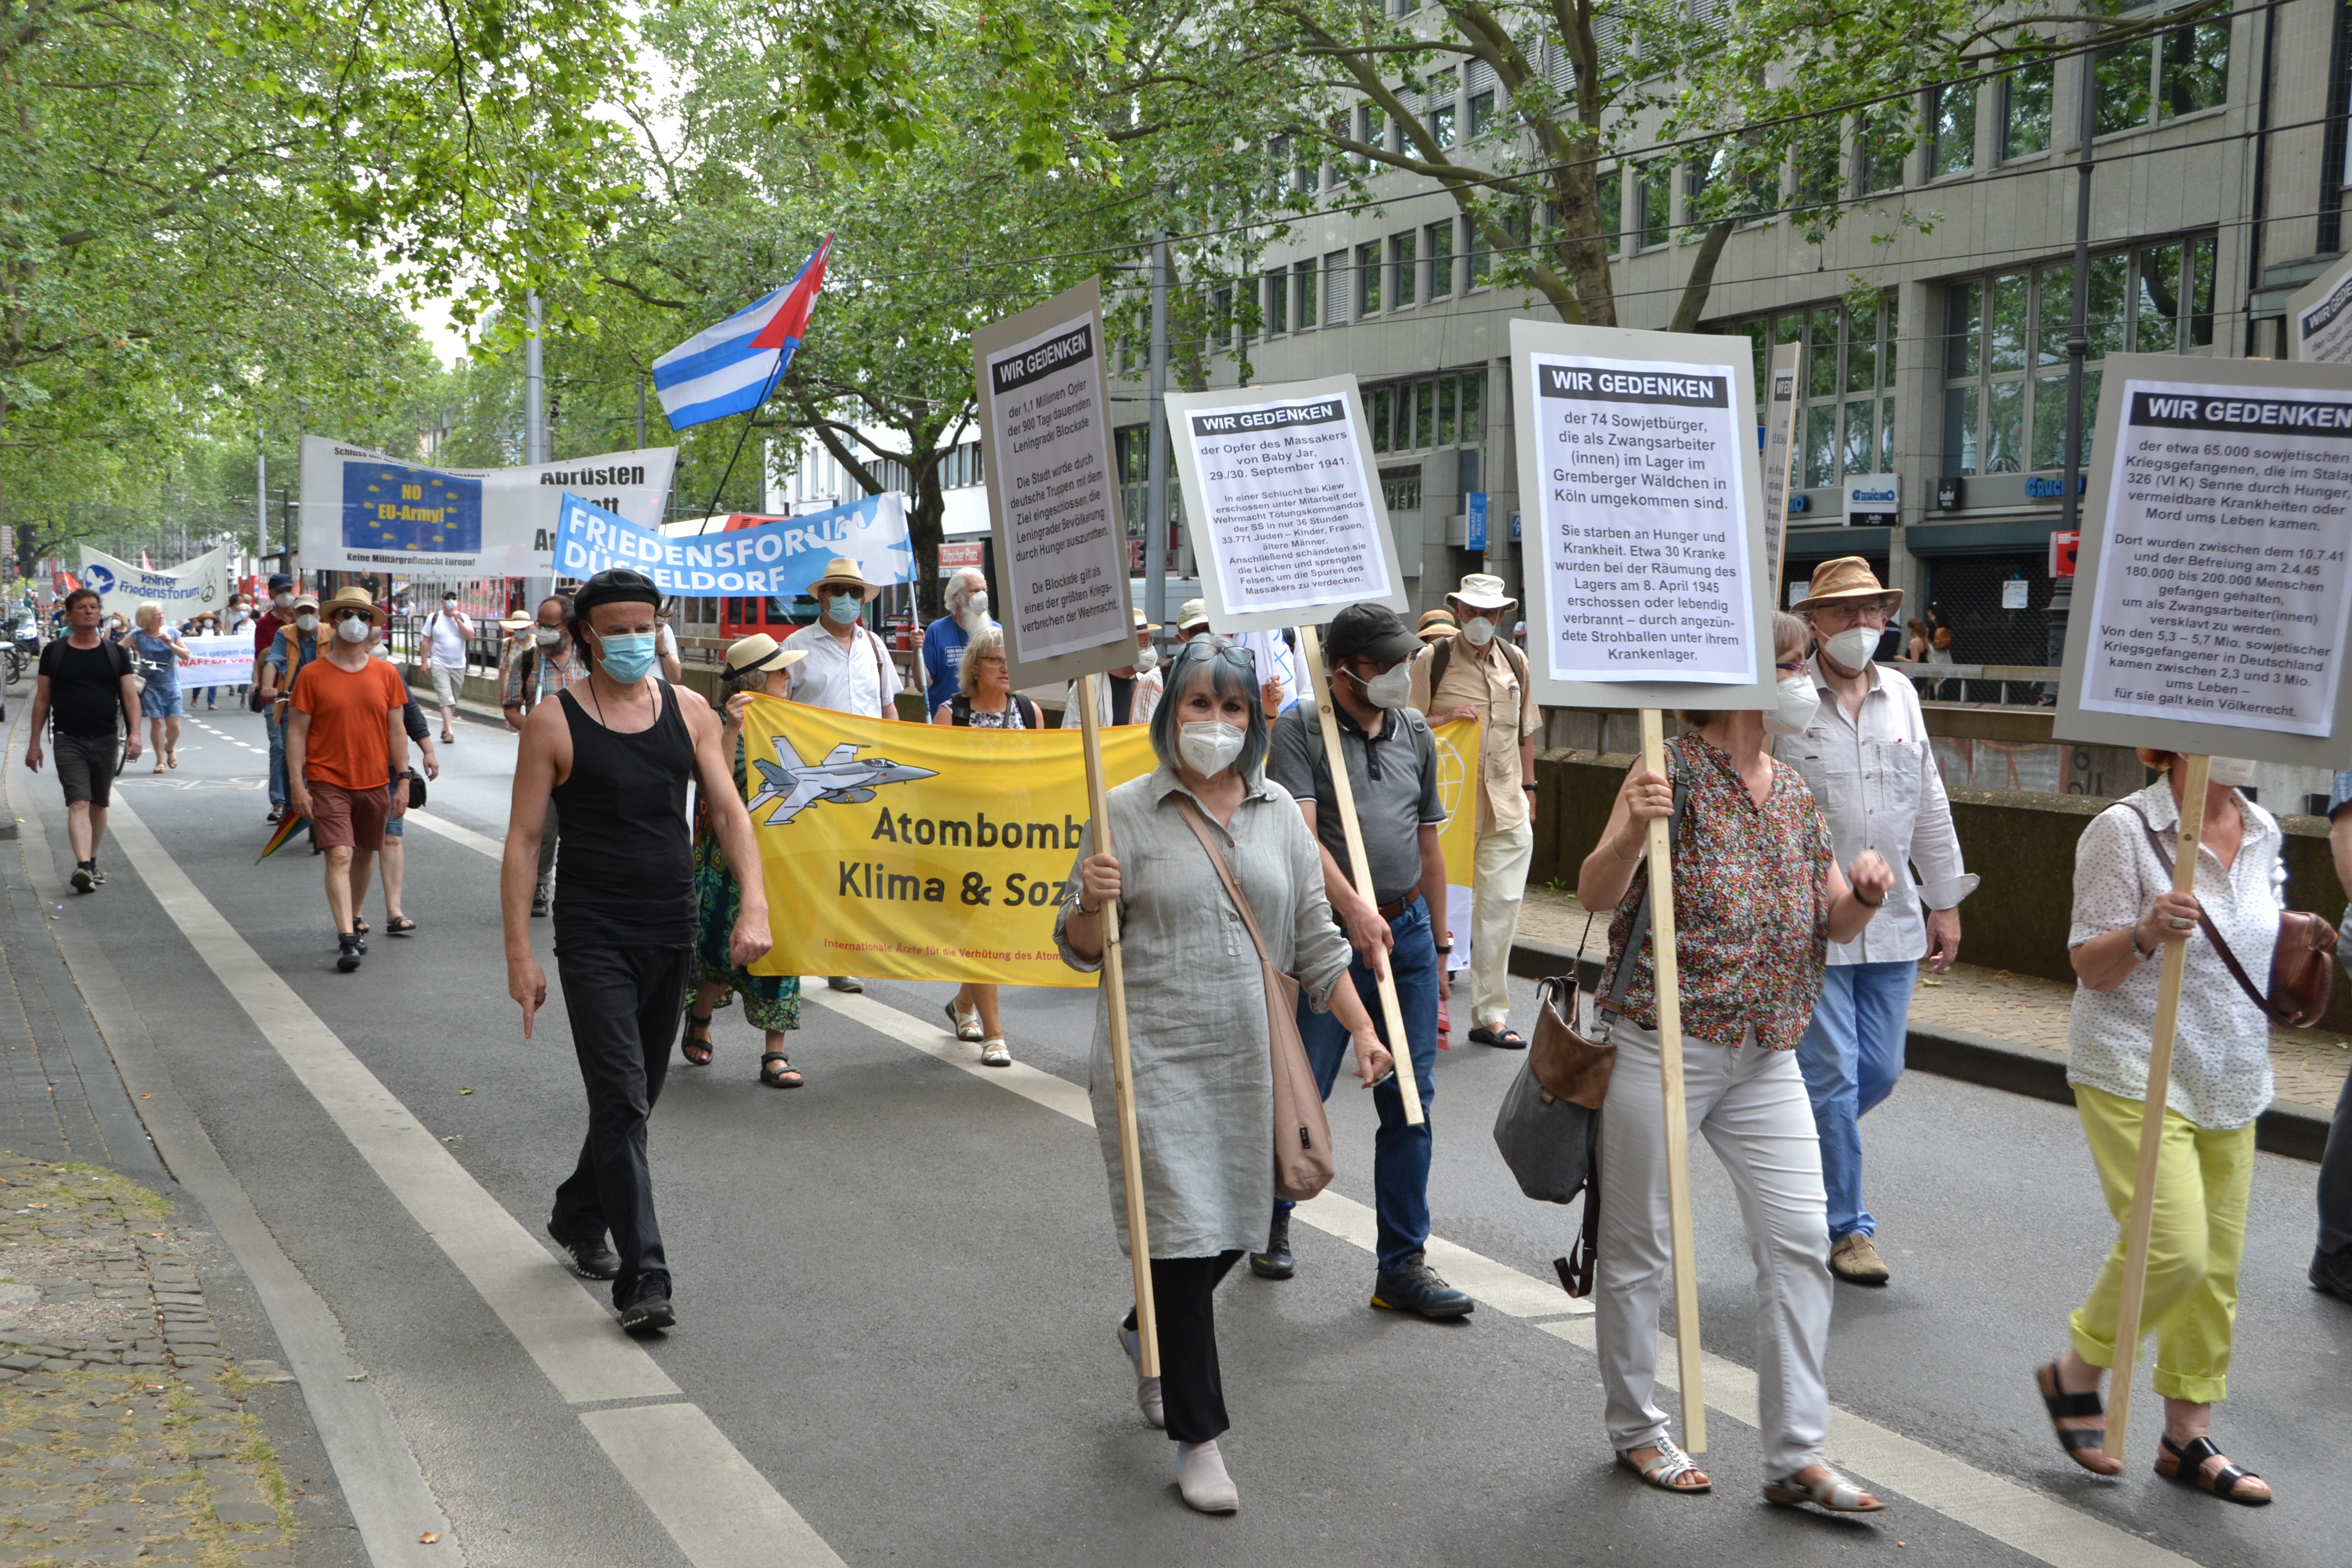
[[349, 741]]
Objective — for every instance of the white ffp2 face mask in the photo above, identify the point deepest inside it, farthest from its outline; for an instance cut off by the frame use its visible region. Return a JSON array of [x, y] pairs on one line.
[[2231, 772], [1208, 749], [1479, 630], [1147, 658], [1798, 701], [1852, 647], [1389, 688], [306, 622], [352, 628]]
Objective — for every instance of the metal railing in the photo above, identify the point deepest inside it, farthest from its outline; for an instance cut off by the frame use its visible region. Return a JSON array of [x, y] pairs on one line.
[[1931, 679]]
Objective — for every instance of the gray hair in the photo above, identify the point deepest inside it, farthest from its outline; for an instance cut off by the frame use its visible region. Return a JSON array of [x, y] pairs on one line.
[[985, 642], [967, 581], [1232, 673]]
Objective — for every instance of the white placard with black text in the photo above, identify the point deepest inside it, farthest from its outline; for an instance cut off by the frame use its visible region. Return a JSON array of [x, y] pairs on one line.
[[2319, 318], [1779, 451], [1289, 523], [2213, 592], [1645, 579], [1053, 493]]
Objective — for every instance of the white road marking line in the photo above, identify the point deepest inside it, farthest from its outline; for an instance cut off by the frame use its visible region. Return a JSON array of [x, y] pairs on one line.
[[573, 1339], [2040, 1527], [490, 847], [720, 1509]]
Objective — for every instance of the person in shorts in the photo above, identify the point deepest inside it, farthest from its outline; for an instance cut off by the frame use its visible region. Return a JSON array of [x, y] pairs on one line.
[[345, 742], [85, 681], [448, 633]]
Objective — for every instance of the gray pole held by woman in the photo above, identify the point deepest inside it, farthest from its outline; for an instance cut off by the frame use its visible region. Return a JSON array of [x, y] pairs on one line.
[[1155, 470]]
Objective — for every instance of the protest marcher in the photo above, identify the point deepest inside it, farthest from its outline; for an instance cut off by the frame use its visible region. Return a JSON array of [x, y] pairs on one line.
[[392, 859], [847, 668], [1757, 898], [1397, 924], [158, 653], [771, 1002], [945, 639], [1193, 621], [1479, 674], [1436, 626], [2124, 911], [204, 623], [1855, 730], [1196, 1019], [985, 701], [295, 644], [616, 754], [448, 633], [266, 626], [666, 649], [1127, 695], [84, 681], [344, 742], [2331, 1260], [547, 661]]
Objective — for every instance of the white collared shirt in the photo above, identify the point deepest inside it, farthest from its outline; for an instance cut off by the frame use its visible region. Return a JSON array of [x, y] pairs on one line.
[[857, 677], [1874, 777]]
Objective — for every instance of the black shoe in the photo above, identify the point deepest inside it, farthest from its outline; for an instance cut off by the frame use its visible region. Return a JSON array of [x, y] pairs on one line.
[[1275, 1262], [539, 904], [348, 952], [591, 1260], [97, 874], [649, 1306], [2332, 1272], [274, 813], [843, 983], [1416, 1288], [83, 878]]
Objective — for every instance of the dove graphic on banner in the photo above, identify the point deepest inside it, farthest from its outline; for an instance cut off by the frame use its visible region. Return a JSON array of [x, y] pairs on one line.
[[779, 557]]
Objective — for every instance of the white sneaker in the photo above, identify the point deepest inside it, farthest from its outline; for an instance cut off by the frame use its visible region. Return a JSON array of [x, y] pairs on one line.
[[1201, 1476], [1146, 1389]]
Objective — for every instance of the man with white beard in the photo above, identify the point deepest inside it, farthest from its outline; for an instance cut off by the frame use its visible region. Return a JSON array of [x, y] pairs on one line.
[[944, 640]]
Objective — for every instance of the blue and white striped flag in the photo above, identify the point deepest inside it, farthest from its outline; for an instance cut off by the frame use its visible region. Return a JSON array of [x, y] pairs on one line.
[[730, 368]]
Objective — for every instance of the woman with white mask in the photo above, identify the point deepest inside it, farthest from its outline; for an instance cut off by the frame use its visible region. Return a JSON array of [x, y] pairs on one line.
[[1197, 1018]]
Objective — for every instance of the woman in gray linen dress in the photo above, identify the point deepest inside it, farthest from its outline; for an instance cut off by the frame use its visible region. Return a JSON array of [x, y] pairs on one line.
[[1196, 1018]]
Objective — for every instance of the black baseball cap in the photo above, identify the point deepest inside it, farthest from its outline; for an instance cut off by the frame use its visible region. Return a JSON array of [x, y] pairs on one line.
[[280, 583], [1367, 631], [615, 585]]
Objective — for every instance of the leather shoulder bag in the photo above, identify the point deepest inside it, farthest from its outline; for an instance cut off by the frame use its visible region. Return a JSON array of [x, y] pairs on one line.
[[2303, 975], [1302, 1134]]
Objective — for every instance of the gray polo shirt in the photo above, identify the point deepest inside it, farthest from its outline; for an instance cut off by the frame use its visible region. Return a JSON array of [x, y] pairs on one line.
[[1394, 776]]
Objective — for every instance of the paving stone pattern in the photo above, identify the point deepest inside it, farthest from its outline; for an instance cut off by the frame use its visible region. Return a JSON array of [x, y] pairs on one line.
[[124, 1435], [2308, 1066]]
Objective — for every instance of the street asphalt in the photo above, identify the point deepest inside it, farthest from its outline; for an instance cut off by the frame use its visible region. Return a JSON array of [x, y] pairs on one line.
[[896, 1286]]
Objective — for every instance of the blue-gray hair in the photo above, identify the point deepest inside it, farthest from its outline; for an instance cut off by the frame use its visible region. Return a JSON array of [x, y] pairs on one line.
[[1233, 673]]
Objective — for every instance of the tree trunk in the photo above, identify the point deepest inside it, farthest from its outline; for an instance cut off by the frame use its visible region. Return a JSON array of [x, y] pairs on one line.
[[1702, 276], [923, 534]]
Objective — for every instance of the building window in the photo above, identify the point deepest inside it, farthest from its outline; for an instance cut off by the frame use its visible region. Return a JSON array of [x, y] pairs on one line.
[[1401, 488], [1609, 195], [1367, 279], [1302, 296], [1482, 259], [1436, 411], [1878, 145], [1371, 129], [1655, 190], [1437, 245], [1334, 289], [1441, 103], [2026, 92], [1277, 302], [1952, 130], [2005, 362], [1402, 249], [1380, 408], [2184, 72], [1482, 112], [1845, 412], [1817, 166], [1221, 317]]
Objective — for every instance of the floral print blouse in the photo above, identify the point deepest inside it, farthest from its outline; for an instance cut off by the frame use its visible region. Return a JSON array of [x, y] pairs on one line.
[[1751, 905]]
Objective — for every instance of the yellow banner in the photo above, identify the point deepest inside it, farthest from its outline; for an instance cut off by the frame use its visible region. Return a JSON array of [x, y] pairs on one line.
[[924, 852]]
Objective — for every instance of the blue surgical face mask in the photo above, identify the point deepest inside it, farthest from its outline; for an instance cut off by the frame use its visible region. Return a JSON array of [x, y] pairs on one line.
[[628, 656], [844, 608]]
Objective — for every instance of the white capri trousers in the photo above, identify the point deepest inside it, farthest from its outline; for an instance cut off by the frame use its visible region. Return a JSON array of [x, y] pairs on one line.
[[1750, 1106]]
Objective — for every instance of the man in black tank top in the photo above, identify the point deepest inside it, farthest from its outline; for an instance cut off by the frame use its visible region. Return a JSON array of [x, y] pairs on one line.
[[614, 754]]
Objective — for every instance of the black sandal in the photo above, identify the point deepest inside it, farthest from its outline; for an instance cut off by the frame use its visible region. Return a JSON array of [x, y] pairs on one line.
[[697, 1038], [360, 926], [783, 1076], [399, 925], [2188, 1462], [2066, 1406], [1505, 1038]]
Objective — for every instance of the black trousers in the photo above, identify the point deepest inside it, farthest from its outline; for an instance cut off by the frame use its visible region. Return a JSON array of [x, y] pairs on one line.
[[1183, 1298], [624, 1007]]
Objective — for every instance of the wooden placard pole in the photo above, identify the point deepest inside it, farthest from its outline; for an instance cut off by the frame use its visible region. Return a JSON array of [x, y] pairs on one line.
[[1310, 653], [1682, 1235], [2195, 771], [1122, 1069]]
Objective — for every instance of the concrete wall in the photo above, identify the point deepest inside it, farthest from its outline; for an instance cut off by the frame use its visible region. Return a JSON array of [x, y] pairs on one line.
[[2021, 845]]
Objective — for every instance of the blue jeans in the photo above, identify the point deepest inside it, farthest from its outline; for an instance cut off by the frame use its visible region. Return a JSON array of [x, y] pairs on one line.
[[1851, 1056], [1400, 1154], [277, 757]]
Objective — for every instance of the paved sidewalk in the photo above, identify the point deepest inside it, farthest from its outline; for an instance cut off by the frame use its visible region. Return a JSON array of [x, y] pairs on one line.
[[124, 1432], [2309, 1065]]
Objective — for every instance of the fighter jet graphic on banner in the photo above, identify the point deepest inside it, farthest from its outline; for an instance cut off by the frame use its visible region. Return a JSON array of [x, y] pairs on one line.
[[790, 784]]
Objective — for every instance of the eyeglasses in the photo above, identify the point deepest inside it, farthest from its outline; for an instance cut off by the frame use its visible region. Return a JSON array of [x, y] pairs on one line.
[[1796, 668]]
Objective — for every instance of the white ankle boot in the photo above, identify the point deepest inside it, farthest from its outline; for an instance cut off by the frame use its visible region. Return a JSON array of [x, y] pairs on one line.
[[1200, 1476], [1146, 1389]]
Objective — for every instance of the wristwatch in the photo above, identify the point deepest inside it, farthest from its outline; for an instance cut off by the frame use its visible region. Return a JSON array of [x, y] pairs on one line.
[[1445, 946]]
